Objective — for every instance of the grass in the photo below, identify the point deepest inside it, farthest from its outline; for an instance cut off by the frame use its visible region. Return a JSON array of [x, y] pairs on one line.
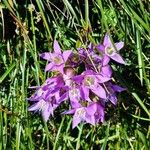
[[27, 30]]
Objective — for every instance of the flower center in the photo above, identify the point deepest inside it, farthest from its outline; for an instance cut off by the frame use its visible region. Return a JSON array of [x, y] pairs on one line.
[[80, 112], [39, 93], [88, 81], [57, 60], [75, 59], [110, 50], [42, 105], [74, 92]]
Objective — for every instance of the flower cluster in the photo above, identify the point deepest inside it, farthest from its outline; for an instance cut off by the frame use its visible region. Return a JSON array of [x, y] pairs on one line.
[[82, 78]]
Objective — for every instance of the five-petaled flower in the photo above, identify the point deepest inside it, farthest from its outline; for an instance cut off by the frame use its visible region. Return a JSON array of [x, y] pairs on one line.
[[111, 50], [93, 114], [57, 59], [89, 80]]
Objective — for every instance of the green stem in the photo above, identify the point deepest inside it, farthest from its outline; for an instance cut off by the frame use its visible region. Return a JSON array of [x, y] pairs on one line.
[[58, 133], [79, 136], [1, 128], [44, 19], [47, 134], [141, 103], [18, 134], [87, 12], [35, 48]]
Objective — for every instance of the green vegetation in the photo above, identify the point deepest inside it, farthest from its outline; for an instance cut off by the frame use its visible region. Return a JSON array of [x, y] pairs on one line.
[[28, 28]]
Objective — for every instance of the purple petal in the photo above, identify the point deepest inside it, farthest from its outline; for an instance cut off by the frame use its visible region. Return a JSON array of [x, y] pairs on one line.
[[57, 95], [102, 119], [38, 106], [66, 54], [49, 67], [113, 99], [57, 48], [119, 45], [76, 121], [48, 110], [91, 109], [63, 98], [90, 119], [75, 103], [90, 46], [85, 93], [72, 111], [34, 107], [51, 81], [101, 48], [99, 91], [107, 41], [102, 79], [118, 58], [78, 79], [100, 110], [46, 55], [88, 72], [105, 60], [106, 71], [118, 88]]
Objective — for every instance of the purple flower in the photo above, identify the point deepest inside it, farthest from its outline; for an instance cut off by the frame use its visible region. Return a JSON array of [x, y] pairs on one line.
[[111, 51], [45, 102], [90, 80], [96, 111], [96, 62], [57, 59], [106, 71], [79, 115], [92, 114], [75, 97], [48, 97], [113, 89], [45, 107]]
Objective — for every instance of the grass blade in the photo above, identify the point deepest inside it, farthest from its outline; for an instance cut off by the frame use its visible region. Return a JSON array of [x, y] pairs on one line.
[[39, 3], [7, 72], [58, 133], [141, 103], [68, 5], [140, 58]]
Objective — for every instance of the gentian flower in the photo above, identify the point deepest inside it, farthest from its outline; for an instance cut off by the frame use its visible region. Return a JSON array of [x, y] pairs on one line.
[[90, 80], [92, 114], [44, 102], [57, 59], [113, 89], [45, 107], [79, 115], [99, 62], [106, 71], [111, 51], [47, 97], [96, 111]]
